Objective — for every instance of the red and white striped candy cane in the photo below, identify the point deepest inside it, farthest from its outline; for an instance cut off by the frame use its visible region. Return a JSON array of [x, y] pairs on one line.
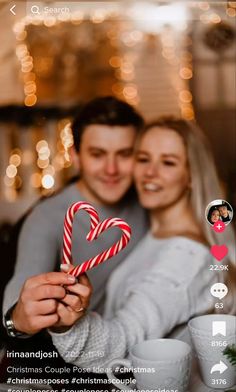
[[112, 251], [96, 229], [68, 222]]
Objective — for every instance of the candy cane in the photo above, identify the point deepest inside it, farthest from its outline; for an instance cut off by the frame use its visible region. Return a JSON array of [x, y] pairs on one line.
[[96, 229], [68, 222]]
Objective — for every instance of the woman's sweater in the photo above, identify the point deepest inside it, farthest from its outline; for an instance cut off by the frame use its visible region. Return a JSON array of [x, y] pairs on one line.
[[161, 284]]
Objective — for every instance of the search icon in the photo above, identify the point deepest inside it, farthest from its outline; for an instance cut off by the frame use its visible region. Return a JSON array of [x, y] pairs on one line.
[[35, 9]]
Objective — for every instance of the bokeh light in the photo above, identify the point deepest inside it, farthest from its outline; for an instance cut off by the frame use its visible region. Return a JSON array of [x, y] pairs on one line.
[[11, 171], [48, 181], [15, 160]]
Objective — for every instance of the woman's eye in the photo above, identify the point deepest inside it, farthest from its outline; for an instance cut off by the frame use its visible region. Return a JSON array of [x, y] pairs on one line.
[[169, 163], [141, 159]]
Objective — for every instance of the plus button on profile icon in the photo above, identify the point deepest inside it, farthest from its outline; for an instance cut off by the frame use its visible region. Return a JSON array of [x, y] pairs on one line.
[[219, 227]]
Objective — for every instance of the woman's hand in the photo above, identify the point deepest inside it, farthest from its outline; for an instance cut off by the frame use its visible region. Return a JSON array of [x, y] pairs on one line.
[[73, 306]]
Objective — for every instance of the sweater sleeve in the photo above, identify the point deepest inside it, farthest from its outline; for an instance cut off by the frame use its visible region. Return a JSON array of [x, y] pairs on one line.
[[151, 309], [37, 251]]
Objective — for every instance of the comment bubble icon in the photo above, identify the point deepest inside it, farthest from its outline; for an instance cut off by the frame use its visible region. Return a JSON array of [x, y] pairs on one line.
[[219, 290]]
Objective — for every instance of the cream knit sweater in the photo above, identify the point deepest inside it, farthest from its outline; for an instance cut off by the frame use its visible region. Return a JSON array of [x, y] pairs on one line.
[[160, 285]]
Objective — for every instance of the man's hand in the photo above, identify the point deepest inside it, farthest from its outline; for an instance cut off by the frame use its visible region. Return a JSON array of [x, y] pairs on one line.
[[74, 304], [37, 307]]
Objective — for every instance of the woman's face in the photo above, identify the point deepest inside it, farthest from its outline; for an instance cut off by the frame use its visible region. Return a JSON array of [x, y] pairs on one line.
[[161, 170], [215, 216]]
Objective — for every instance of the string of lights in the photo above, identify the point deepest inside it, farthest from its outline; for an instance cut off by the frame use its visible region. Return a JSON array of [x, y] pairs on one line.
[[126, 38]]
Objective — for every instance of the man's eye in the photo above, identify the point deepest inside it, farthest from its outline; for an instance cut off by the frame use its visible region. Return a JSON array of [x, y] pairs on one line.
[[126, 154], [96, 154]]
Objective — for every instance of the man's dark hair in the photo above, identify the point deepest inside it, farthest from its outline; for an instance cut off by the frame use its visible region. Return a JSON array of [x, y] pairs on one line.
[[105, 111], [225, 204]]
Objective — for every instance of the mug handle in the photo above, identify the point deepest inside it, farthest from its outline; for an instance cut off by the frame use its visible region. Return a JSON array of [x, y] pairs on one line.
[[113, 379]]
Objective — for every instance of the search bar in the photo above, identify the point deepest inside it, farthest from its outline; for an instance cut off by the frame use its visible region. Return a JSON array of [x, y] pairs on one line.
[[68, 8], [53, 9]]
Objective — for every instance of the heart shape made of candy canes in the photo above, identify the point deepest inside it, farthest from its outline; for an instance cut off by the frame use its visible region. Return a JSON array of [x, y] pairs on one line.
[[96, 228]]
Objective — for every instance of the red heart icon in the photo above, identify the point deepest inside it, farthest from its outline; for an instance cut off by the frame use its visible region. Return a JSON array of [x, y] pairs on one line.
[[219, 251]]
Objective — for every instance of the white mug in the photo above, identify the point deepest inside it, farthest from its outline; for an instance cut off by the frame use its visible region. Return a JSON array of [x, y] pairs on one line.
[[156, 364], [210, 336]]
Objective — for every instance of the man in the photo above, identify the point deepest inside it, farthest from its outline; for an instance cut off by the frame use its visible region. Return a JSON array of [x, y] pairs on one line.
[[225, 214], [104, 132]]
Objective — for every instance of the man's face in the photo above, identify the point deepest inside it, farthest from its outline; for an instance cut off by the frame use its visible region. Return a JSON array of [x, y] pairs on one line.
[[106, 162], [223, 211]]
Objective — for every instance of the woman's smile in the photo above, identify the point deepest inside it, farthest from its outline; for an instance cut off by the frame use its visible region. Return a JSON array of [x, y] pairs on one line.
[[151, 187]]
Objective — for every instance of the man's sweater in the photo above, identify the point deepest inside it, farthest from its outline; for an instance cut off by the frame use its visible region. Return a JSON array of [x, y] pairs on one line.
[[41, 237]]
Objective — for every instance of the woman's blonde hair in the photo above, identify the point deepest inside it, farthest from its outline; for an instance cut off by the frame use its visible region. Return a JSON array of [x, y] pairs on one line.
[[205, 184]]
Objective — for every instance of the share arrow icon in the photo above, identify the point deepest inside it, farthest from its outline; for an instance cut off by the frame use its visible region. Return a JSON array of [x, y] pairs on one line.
[[219, 367]]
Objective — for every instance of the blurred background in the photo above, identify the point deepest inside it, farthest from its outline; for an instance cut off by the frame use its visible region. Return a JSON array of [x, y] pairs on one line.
[[163, 57]]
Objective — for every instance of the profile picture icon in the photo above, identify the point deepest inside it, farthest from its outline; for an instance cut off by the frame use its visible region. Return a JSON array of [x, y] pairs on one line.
[[219, 210]]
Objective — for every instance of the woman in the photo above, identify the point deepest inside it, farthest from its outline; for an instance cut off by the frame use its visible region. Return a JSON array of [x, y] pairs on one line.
[[166, 280], [213, 215]]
